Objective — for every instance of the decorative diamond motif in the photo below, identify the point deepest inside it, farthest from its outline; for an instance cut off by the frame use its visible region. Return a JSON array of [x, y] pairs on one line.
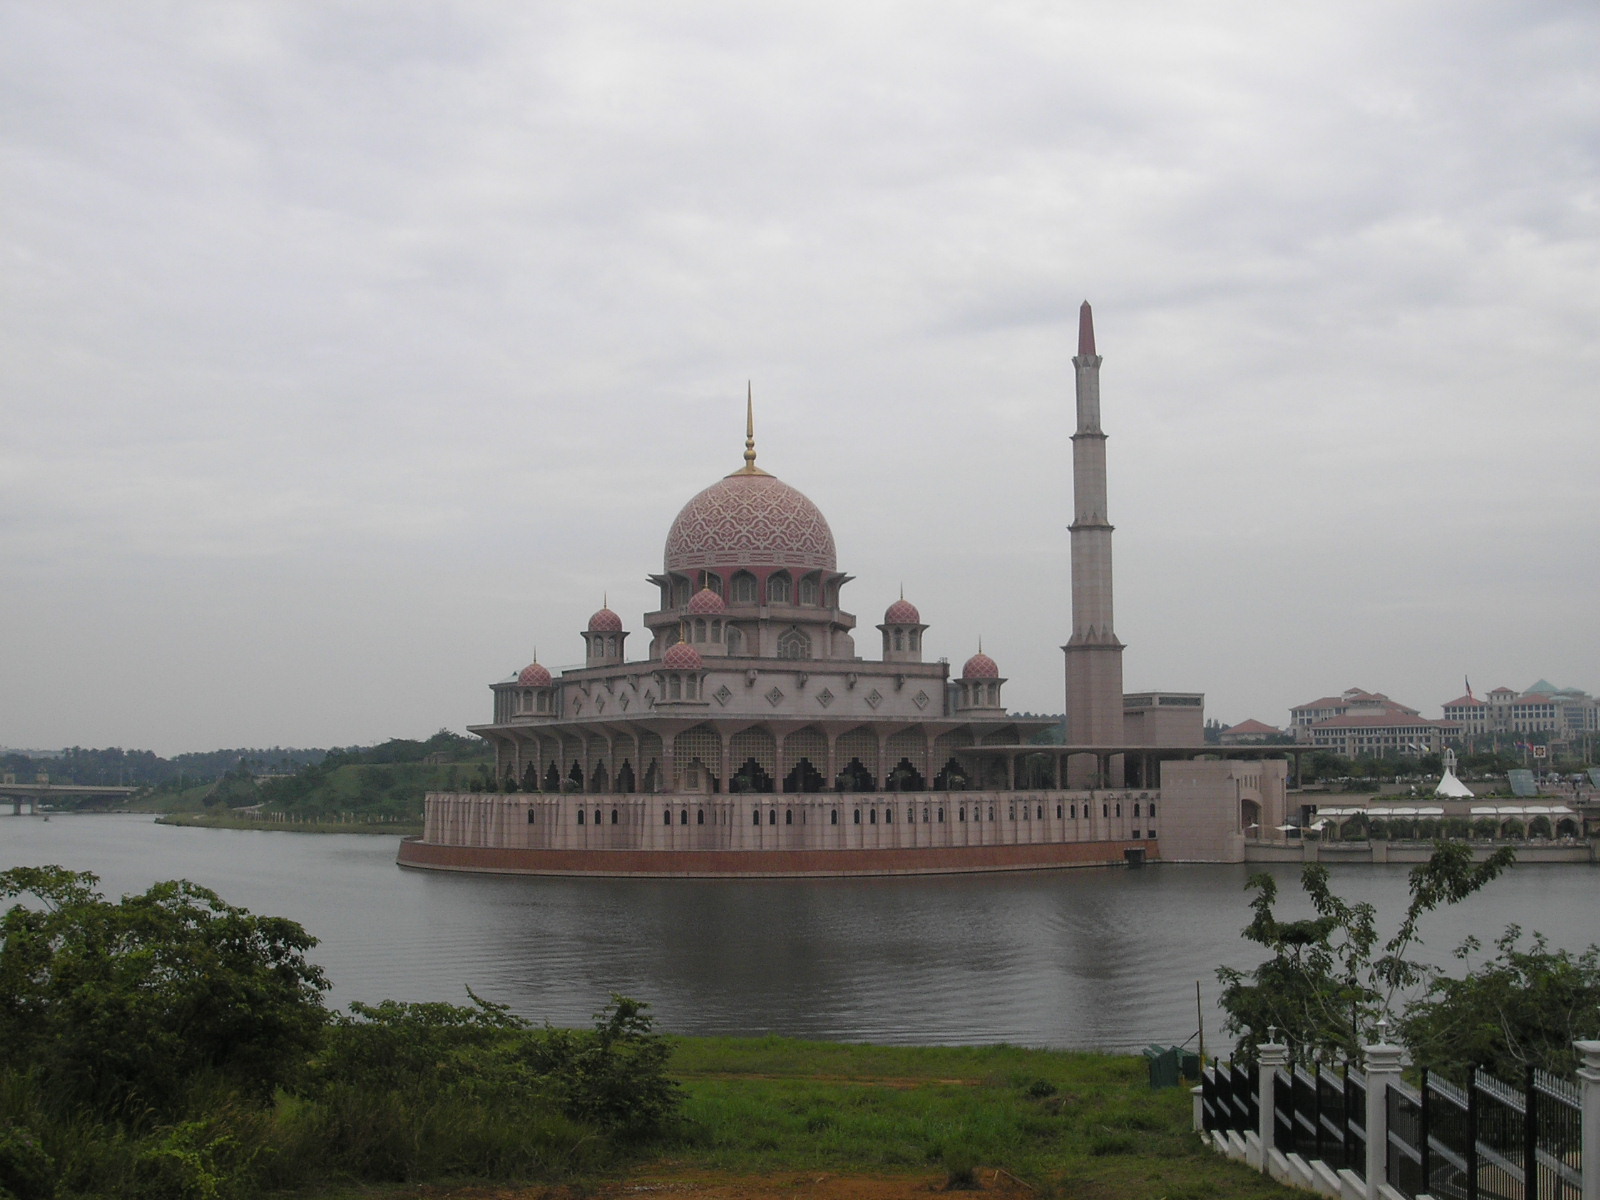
[[600, 705], [775, 696], [722, 695], [874, 698], [824, 697], [920, 699], [577, 707]]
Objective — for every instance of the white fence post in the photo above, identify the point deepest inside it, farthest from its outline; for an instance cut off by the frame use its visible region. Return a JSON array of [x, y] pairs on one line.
[[1589, 1081], [1383, 1068], [1271, 1056]]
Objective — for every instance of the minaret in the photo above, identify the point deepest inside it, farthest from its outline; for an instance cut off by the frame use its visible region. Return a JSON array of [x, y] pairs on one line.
[[1094, 655]]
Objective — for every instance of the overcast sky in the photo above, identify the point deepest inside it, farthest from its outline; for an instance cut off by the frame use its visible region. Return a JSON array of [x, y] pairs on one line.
[[352, 351]]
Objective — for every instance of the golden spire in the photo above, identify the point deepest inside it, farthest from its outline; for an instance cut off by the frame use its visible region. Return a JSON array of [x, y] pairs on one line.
[[749, 467]]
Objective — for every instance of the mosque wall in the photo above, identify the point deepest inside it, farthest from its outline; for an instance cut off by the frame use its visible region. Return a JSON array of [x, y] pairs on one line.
[[1211, 808], [788, 824]]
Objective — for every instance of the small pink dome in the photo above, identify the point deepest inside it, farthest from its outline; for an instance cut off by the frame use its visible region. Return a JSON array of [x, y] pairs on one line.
[[902, 612], [605, 621], [980, 666], [533, 675], [681, 657], [705, 602]]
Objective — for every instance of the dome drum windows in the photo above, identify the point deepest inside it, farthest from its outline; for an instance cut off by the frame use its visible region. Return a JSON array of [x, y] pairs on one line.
[[780, 589]]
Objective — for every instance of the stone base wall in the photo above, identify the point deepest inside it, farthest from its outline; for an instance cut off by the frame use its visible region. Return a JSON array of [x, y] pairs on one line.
[[852, 822], [928, 860]]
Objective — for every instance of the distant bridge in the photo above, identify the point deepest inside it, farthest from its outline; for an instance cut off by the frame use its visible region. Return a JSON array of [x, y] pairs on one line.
[[32, 795]]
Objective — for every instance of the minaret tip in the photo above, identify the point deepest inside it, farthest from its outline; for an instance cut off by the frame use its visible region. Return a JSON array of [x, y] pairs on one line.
[[1085, 330]]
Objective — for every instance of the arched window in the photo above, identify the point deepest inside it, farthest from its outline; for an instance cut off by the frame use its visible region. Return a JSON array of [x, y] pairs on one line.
[[1152, 810], [991, 812], [899, 639], [1058, 812], [700, 816], [962, 813], [772, 817], [713, 582], [808, 590], [666, 817], [794, 644], [912, 638], [788, 816], [778, 589], [858, 816], [1105, 809], [872, 816], [941, 816], [716, 631], [1040, 813], [1013, 813], [691, 686], [1119, 808], [735, 640], [613, 816], [744, 588], [700, 629], [888, 816], [683, 817], [675, 687], [1136, 809], [833, 817], [755, 817], [580, 816]]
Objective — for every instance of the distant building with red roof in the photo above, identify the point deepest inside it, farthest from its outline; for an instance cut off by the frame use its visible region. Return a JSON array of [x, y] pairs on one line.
[[1247, 733]]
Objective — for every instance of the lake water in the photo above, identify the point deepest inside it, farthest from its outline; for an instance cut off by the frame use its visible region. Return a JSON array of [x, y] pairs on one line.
[[1103, 958]]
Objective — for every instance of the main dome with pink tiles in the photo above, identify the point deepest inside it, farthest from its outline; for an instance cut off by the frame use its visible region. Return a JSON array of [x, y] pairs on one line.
[[750, 519]]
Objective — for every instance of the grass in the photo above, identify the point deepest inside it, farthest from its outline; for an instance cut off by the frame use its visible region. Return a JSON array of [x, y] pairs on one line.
[[765, 1111]]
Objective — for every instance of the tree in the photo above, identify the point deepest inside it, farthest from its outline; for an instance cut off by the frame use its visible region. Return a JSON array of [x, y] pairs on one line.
[[124, 1006], [1520, 1008], [1326, 984]]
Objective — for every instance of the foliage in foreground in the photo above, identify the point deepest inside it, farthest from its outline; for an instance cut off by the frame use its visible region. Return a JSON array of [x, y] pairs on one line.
[[1327, 984], [1522, 1007], [171, 1046]]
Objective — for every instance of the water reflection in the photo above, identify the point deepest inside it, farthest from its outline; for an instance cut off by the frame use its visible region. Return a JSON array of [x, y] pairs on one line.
[[1102, 957]]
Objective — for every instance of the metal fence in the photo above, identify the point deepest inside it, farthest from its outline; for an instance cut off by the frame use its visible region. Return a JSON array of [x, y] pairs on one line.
[[1487, 1140], [1484, 1141]]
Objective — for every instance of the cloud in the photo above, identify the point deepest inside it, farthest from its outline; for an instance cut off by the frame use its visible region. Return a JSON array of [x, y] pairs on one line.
[[396, 333]]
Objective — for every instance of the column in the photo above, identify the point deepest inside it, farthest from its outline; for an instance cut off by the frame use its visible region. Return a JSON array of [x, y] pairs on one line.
[[1589, 1083], [1383, 1068], [1272, 1056]]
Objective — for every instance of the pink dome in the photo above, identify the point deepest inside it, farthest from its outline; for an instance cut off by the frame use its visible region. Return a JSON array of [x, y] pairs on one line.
[[902, 612], [681, 657], [533, 675], [750, 520], [980, 666], [605, 621], [705, 602]]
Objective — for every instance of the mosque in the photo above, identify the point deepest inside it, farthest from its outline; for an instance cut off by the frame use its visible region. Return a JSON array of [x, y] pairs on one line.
[[752, 739]]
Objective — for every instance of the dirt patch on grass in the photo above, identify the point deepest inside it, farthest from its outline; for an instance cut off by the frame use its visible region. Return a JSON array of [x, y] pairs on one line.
[[782, 1185]]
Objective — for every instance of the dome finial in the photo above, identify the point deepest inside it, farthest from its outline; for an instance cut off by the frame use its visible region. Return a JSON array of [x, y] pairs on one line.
[[749, 467]]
